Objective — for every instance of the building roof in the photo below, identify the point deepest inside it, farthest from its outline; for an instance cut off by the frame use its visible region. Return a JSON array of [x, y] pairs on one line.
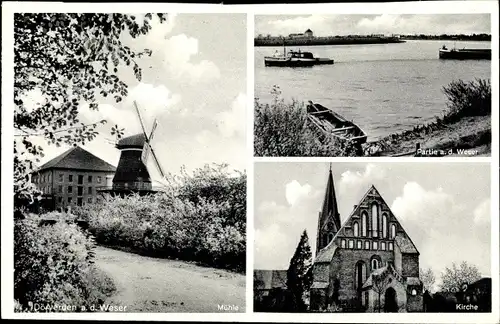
[[308, 31], [134, 141], [269, 279], [405, 244], [79, 159], [326, 254]]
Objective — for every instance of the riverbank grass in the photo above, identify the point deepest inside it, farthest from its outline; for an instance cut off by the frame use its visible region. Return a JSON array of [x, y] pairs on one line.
[[282, 129], [463, 129]]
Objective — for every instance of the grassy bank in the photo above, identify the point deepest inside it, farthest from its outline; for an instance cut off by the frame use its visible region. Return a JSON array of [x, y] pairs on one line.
[[463, 130]]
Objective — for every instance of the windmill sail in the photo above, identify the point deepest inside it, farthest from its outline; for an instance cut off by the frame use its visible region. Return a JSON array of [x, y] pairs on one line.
[[158, 166], [146, 150]]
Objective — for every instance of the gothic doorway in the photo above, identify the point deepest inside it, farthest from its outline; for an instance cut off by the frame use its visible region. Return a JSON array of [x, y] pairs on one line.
[[390, 301]]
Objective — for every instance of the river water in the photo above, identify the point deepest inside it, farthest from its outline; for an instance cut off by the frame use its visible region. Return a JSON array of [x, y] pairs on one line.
[[384, 88]]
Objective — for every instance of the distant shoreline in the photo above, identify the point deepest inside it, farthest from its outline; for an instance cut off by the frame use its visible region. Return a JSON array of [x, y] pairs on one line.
[[317, 41], [361, 40]]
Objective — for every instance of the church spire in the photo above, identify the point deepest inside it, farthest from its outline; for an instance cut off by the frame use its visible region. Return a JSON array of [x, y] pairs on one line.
[[329, 217]]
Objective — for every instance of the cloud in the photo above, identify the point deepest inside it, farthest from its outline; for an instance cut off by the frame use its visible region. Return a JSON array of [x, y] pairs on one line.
[[153, 102], [278, 227], [355, 180], [482, 212], [295, 191], [418, 203], [346, 24], [442, 229], [233, 121], [299, 24], [178, 51]]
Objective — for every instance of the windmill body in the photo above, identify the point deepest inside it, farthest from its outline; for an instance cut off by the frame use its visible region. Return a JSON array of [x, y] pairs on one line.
[[131, 173]]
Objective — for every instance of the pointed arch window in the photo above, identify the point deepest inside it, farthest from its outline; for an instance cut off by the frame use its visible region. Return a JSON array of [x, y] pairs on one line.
[[384, 225], [367, 245], [351, 244], [356, 229], [359, 245], [330, 237], [374, 220], [364, 223], [393, 230], [342, 243]]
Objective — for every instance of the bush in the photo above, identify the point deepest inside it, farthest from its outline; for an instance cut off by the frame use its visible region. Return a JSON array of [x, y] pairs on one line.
[[53, 266], [282, 129], [199, 218], [467, 99]]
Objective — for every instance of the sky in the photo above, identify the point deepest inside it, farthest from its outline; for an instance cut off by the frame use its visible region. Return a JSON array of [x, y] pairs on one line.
[[194, 84], [352, 24], [444, 207]]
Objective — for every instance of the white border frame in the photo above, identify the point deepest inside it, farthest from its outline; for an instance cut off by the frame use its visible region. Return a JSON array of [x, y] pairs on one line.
[[449, 7]]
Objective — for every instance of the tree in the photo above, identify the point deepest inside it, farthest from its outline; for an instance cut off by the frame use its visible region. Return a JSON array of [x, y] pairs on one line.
[[453, 278], [299, 274], [380, 282], [70, 59], [428, 279]]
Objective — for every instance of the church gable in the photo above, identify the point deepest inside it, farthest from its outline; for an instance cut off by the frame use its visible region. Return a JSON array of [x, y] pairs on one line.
[[373, 226]]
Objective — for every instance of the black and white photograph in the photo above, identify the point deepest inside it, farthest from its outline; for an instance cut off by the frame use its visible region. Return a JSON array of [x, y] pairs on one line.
[[129, 159], [372, 237], [372, 85]]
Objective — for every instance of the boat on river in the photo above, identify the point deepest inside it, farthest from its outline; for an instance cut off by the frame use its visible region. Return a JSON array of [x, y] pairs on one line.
[[295, 59], [465, 54], [328, 123]]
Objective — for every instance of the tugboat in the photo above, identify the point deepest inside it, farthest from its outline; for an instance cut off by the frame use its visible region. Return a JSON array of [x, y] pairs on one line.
[[464, 54], [295, 59]]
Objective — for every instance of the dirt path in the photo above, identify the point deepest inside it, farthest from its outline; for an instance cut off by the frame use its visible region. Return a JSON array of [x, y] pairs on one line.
[[147, 284]]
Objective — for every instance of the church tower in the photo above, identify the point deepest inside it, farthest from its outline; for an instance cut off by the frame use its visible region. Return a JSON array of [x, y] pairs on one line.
[[329, 217]]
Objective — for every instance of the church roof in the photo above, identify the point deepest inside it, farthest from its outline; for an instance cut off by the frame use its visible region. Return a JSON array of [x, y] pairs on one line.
[[330, 206], [405, 244], [269, 279], [308, 31], [79, 159], [326, 254]]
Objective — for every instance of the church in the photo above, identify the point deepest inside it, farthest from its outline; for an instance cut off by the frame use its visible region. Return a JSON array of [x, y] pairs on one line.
[[368, 263]]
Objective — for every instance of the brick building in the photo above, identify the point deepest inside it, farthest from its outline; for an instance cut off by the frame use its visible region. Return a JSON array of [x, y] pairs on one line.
[[72, 179], [368, 263], [370, 258]]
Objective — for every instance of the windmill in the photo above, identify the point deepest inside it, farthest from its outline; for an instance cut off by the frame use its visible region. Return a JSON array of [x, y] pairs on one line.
[[131, 174]]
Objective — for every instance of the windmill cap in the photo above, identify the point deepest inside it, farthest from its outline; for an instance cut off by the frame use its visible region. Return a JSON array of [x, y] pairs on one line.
[[134, 141]]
